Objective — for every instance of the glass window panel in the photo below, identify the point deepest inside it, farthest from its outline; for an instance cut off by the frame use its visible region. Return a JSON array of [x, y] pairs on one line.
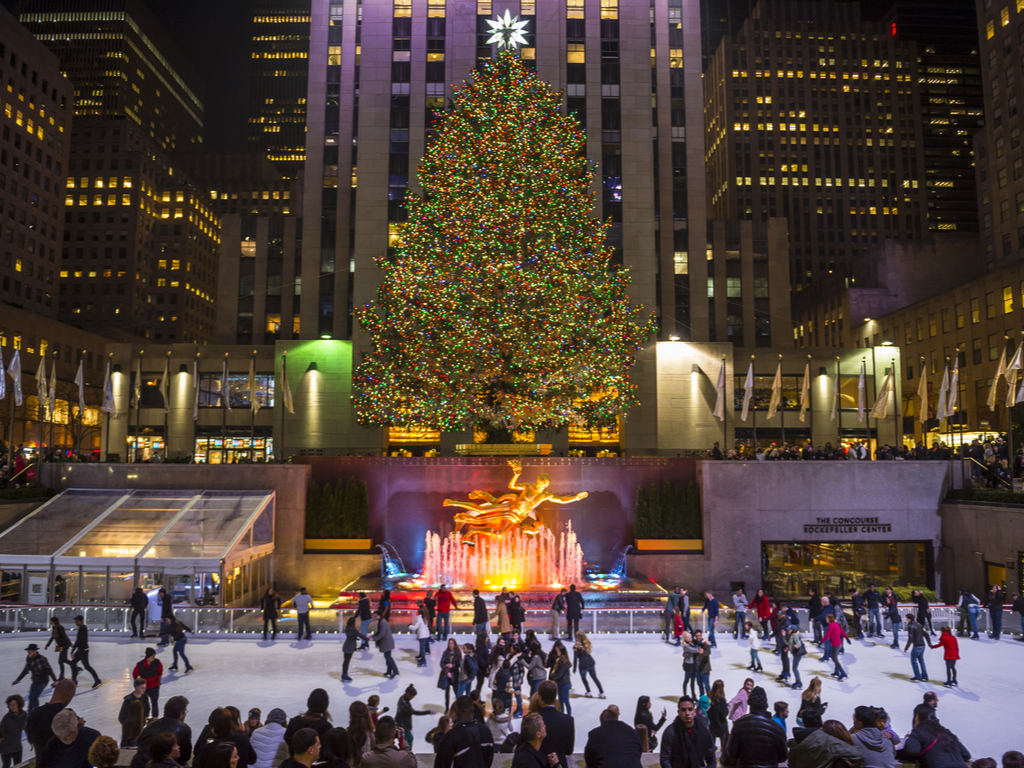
[[131, 526], [208, 527], [54, 525]]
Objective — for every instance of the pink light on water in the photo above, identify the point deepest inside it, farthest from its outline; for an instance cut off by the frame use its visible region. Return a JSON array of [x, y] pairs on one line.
[[513, 560]]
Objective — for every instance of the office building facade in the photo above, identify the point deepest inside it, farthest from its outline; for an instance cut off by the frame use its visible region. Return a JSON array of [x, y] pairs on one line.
[[811, 114], [36, 104]]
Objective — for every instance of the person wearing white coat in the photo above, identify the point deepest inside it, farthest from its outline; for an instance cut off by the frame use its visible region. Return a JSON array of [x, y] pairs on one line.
[[422, 630], [268, 741]]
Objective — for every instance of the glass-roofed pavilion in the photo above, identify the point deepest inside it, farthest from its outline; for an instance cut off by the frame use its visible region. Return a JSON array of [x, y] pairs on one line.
[[93, 547]]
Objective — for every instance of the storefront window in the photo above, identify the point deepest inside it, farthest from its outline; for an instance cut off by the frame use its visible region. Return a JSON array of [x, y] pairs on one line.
[[790, 570], [233, 450]]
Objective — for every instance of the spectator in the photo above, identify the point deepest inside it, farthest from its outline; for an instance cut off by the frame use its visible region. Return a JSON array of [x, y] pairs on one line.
[[316, 716], [334, 749], [529, 754], [219, 730], [613, 744], [468, 744], [38, 728], [500, 723], [560, 727], [268, 741], [12, 725], [755, 739], [173, 722], [103, 753], [643, 717], [687, 743], [876, 750], [812, 747], [931, 744], [385, 753], [164, 751], [306, 749], [69, 745]]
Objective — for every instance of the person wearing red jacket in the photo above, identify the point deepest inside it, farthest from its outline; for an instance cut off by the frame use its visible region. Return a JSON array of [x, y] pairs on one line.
[[950, 653], [151, 670], [763, 606], [834, 635], [445, 603]]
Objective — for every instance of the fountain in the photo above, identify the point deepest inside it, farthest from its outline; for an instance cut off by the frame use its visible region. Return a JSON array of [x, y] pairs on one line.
[[391, 566], [514, 559]]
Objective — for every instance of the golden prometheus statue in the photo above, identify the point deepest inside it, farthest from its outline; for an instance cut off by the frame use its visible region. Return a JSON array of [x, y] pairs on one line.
[[493, 517]]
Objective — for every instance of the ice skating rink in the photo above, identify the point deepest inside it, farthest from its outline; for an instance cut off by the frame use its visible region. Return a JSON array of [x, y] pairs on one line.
[[984, 711]]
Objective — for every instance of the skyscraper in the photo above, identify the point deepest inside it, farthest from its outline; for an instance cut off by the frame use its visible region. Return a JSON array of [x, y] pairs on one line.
[[812, 114], [277, 85], [123, 66], [952, 101], [37, 105]]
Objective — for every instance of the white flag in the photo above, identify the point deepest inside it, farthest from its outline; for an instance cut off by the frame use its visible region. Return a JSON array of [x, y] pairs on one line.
[[14, 371], [195, 397], [953, 398], [805, 392], [80, 381], [137, 389], [835, 397], [253, 399], [53, 388], [720, 402], [108, 393], [748, 391], [225, 387], [861, 394], [165, 385], [41, 387], [922, 392], [941, 408], [1012, 367], [1000, 370], [881, 407], [776, 401], [286, 390]]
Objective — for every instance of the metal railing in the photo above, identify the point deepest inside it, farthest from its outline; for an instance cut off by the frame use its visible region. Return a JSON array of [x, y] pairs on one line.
[[986, 470], [249, 621]]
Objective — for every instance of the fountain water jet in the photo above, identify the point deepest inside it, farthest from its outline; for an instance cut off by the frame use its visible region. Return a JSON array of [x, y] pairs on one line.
[[513, 559]]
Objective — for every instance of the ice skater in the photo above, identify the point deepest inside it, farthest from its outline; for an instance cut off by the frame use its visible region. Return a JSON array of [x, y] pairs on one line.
[[178, 630], [140, 607], [270, 605], [405, 711], [385, 643], [917, 637], [582, 660], [80, 653], [711, 608], [422, 631], [40, 671], [451, 668], [753, 641], [950, 654], [834, 636], [351, 636], [63, 644]]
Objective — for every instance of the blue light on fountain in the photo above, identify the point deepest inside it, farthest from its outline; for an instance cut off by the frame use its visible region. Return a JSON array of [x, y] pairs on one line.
[[391, 565], [619, 569]]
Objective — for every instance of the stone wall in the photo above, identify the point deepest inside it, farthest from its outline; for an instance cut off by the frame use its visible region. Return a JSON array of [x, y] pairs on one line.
[[975, 533]]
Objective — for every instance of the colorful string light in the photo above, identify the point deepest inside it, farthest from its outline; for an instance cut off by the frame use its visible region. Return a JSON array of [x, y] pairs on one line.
[[501, 304]]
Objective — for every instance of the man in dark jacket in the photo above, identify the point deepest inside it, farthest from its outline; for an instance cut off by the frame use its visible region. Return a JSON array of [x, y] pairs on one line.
[[712, 608], [995, 611], [557, 609], [80, 653], [916, 635], [687, 742], [69, 745], [871, 599], [859, 611], [561, 728], [140, 606], [813, 612], [173, 721], [480, 617], [40, 673], [613, 744], [1018, 606], [756, 740], [573, 613], [166, 617], [39, 728], [469, 743]]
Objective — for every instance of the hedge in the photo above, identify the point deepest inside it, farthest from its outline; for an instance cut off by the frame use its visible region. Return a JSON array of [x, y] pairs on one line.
[[671, 511], [341, 512], [26, 492], [982, 494]]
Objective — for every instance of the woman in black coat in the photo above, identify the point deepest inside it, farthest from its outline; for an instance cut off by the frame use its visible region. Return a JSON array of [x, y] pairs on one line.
[[643, 717], [930, 744], [451, 670], [718, 713], [59, 636], [351, 636], [516, 614], [270, 605]]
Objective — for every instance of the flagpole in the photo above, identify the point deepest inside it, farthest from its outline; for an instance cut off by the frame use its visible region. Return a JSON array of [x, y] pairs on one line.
[[839, 407], [284, 362], [252, 416], [754, 416], [167, 369], [896, 430], [138, 406], [40, 412], [949, 424], [49, 410], [782, 411], [10, 436], [810, 404], [224, 412], [867, 416], [923, 406], [725, 409]]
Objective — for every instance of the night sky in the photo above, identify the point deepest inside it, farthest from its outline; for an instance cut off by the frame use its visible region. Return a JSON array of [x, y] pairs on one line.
[[215, 34]]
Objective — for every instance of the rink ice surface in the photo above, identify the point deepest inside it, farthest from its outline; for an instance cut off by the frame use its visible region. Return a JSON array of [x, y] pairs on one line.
[[985, 711]]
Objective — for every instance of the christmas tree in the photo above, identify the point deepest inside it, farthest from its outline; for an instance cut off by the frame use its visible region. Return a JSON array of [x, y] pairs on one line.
[[501, 304]]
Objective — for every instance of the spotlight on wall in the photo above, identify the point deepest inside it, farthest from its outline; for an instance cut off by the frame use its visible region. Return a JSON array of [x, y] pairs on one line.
[[673, 337], [695, 368], [116, 368], [183, 368], [325, 336], [887, 342], [822, 371], [312, 367]]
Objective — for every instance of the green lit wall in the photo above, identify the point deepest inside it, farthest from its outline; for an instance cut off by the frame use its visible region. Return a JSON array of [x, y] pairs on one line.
[[322, 396]]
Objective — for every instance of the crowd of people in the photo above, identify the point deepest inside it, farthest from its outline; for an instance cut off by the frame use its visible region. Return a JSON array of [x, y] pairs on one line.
[[991, 457], [505, 692]]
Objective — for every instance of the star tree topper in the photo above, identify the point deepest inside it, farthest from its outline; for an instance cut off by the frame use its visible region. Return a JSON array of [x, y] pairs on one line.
[[507, 30]]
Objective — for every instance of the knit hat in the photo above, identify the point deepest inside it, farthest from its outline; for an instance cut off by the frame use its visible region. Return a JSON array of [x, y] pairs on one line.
[[705, 703], [318, 700], [277, 716], [758, 699]]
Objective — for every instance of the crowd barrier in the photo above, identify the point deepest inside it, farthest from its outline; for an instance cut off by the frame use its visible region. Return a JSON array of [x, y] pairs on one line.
[[249, 621]]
